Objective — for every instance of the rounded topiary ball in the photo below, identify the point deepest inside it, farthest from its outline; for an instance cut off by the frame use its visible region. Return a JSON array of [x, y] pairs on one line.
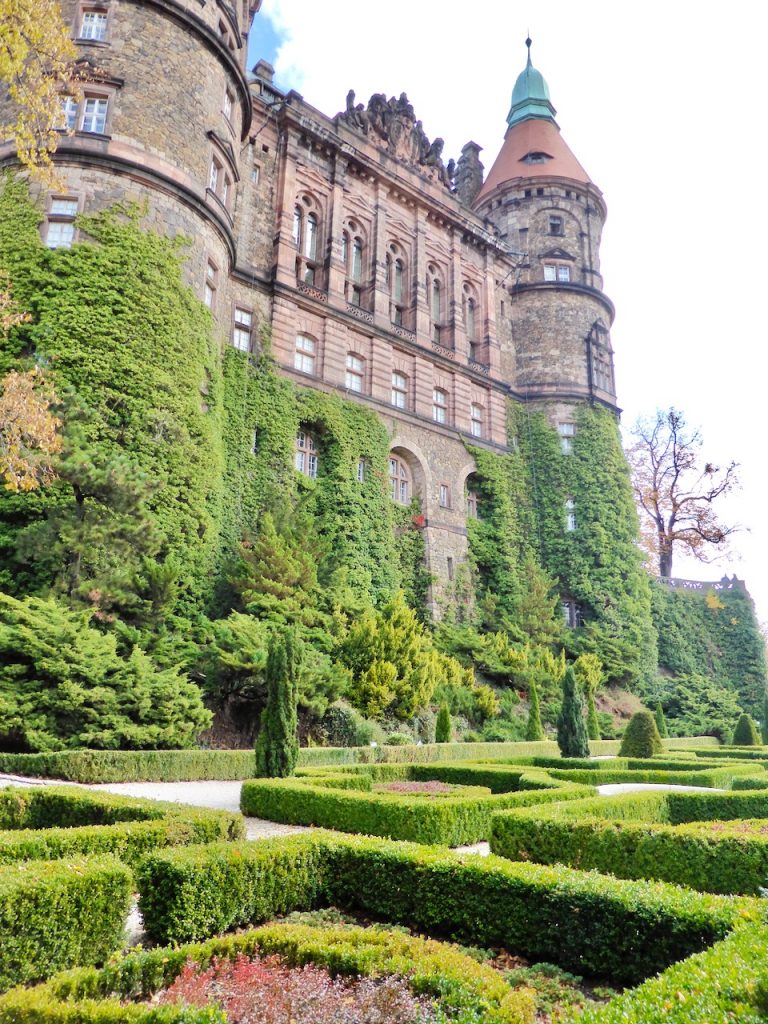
[[641, 738], [745, 734]]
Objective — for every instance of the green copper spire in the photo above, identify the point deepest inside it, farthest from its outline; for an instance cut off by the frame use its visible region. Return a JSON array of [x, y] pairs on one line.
[[530, 97]]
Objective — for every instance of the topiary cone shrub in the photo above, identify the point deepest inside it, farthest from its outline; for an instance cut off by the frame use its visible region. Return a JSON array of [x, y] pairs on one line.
[[534, 730], [443, 728], [745, 734], [277, 745], [571, 725], [641, 738], [661, 722]]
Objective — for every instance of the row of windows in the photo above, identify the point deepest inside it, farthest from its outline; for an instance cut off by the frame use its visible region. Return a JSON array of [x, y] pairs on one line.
[[305, 360]]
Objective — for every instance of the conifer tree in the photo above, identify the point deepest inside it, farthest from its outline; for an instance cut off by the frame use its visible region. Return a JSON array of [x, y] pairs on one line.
[[764, 724], [533, 730], [277, 745], [641, 738], [661, 722], [589, 673], [745, 734], [571, 725], [443, 727]]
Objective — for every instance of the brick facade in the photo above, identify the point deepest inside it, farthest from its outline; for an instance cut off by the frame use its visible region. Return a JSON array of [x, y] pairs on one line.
[[361, 242]]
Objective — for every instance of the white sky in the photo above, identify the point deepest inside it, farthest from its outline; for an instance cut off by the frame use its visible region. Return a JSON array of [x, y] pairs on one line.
[[665, 107]]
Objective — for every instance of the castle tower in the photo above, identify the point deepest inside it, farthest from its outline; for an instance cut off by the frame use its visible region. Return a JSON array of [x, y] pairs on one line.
[[550, 214], [163, 117]]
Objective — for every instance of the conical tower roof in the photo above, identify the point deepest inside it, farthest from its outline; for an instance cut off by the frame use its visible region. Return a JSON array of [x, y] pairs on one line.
[[533, 146]]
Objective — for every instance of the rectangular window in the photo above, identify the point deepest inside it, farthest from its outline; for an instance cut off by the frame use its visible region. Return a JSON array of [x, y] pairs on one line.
[[304, 358], [94, 25], [439, 405], [68, 113], [567, 432], [227, 106], [361, 469], [241, 332], [563, 273], [472, 504], [476, 413], [570, 514], [95, 114], [355, 373], [550, 272], [445, 496], [213, 175], [399, 390], [556, 225], [211, 282], [60, 232]]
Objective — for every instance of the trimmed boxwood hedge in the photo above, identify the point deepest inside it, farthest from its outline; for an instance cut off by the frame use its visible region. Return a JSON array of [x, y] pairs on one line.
[[585, 922], [59, 914], [450, 821], [713, 778], [655, 835], [433, 969], [49, 822], [720, 986], [90, 766]]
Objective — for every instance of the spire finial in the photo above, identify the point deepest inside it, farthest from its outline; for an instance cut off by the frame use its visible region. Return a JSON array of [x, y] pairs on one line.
[[528, 42]]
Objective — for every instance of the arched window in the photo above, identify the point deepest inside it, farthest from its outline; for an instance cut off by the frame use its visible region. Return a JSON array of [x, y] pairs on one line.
[[399, 481], [353, 257], [305, 457], [396, 285], [470, 321], [306, 354], [435, 309], [305, 235], [354, 378], [439, 405], [344, 249]]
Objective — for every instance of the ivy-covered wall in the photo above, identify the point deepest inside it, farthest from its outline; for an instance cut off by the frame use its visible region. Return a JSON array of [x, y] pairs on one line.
[[712, 634], [598, 563]]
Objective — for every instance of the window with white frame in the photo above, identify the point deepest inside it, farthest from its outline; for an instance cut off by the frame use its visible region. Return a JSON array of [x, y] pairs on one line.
[[227, 105], [306, 354], [305, 456], [570, 514], [211, 284], [399, 390], [219, 181], [60, 222], [296, 227], [472, 504], [93, 24], [362, 470], [69, 113], [445, 496], [567, 432], [557, 272], [439, 405], [242, 328], [399, 481], [215, 172], [354, 377], [94, 116], [556, 225], [477, 416]]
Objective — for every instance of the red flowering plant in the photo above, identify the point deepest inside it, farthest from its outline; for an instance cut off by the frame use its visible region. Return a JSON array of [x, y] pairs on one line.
[[265, 990]]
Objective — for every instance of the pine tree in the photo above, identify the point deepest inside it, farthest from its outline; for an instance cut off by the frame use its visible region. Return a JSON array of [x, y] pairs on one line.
[[745, 734], [277, 745], [661, 722], [443, 728], [589, 673], [641, 738], [764, 724], [571, 725], [533, 730]]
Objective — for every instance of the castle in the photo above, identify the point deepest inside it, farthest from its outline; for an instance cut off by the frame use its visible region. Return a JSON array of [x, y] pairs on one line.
[[418, 287]]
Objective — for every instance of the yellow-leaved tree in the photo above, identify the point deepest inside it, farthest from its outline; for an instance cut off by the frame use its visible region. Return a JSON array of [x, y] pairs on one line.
[[37, 67]]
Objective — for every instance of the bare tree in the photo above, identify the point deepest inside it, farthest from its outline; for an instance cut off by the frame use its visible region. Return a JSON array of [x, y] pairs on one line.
[[675, 493]]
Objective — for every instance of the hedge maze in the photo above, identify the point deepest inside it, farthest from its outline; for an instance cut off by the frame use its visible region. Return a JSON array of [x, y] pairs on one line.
[[656, 891]]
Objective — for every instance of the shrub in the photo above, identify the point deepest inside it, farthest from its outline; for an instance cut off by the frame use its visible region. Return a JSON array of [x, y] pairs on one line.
[[443, 728], [533, 729], [651, 835], [745, 734], [451, 821], [65, 685], [277, 745], [661, 722], [589, 923], [56, 914], [572, 736], [397, 739], [463, 987], [641, 737]]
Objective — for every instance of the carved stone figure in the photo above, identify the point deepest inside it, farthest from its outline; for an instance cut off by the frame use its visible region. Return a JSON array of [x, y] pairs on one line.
[[469, 174]]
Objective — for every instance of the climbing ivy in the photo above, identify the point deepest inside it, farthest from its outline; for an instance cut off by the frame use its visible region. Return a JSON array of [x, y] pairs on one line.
[[597, 564], [712, 634]]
